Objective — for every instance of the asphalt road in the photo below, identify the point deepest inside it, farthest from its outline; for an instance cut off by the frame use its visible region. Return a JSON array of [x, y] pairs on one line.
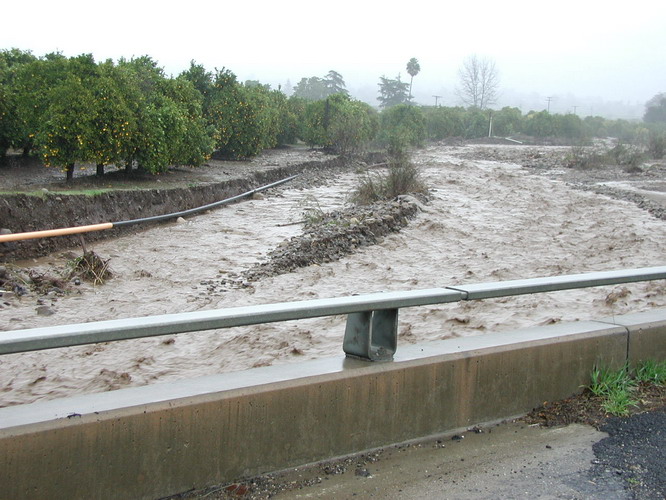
[[506, 461]]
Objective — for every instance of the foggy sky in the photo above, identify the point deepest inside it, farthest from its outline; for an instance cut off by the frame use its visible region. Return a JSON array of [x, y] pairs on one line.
[[584, 54]]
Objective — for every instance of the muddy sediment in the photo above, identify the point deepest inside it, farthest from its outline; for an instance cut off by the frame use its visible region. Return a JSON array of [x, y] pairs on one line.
[[485, 220]]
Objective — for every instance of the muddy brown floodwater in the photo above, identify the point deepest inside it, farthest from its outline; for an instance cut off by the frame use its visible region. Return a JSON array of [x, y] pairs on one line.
[[486, 221]]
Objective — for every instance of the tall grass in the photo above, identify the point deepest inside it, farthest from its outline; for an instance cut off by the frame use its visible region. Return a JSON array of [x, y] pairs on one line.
[[402, 178]]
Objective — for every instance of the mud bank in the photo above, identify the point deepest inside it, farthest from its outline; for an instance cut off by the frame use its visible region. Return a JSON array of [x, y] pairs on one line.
[[24, 213]]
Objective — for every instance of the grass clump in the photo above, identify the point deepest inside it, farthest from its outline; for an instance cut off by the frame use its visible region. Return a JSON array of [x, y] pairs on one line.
[[617, 388], [402, 178], [651, 372]]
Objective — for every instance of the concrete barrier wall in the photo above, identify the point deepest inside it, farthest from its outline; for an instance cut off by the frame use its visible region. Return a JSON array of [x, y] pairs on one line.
[[153, 441], [647, 334]]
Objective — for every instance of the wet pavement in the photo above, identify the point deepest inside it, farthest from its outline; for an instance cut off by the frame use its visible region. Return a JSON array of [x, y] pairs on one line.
[[510, 460]]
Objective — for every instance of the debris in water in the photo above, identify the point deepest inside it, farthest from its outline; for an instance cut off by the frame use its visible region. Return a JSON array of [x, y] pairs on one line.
[[91, 267]]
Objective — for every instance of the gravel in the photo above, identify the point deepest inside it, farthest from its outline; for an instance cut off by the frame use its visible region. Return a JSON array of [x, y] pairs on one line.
[[636, 451]]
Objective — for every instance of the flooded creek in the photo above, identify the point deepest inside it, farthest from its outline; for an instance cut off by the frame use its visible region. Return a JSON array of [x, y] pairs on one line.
[[485, 221]]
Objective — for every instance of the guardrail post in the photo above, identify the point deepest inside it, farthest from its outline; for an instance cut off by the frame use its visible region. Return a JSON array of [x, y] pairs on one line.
[[372, 335]]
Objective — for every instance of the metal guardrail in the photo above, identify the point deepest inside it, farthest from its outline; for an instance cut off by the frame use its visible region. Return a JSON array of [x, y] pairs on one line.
[[372, 319]]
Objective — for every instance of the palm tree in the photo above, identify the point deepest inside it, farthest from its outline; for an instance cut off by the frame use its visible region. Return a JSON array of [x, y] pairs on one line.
[[413, 69]]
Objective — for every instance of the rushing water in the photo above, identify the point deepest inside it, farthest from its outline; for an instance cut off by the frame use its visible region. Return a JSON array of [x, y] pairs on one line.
[[486, 221]]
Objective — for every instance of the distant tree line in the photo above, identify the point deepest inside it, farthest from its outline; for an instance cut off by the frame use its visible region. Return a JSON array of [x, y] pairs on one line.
[[129, 114]]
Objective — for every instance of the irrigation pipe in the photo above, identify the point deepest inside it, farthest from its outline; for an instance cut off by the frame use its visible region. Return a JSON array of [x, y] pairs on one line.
[[109, 225]]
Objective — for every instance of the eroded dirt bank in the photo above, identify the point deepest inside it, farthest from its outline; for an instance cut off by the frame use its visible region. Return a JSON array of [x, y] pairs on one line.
[[50, 206], [487, 220]]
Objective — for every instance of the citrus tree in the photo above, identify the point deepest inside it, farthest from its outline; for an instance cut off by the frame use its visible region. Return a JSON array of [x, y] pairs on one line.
[[65, 135], [339, 123], [10, 122], [400, 127], [31, 88], [114, 118]]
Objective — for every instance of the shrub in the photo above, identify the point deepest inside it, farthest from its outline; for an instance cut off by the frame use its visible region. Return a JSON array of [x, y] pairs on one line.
[[626, 156], [340, 124], [401, 127], [657, 145], [402, 178]]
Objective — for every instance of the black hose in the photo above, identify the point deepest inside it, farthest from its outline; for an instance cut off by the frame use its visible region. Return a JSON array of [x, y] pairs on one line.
[[203, 208], [109, 225]]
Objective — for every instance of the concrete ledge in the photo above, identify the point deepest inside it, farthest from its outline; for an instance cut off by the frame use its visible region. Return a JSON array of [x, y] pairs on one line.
[[647, 334], [153, 441]]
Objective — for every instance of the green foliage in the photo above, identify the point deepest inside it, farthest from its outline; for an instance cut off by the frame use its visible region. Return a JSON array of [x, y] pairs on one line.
[[539, 124], [12, 58], [475, 123], [596, 126], [616, 387], [114, 120], [130, 114], [32, 83], [159, 124], [292, 115], [442, 122], [311, 89], [8, 119], [392, 92], [202, 81], [618, 401], [66, 136], [253, 124], [402, 178], [316, 88], [339, 123], [623, 130], [651, 372], [569, 126], [243, 119], [335, 83], [353, 127], [657, 144], [192, 142], [507, 122], [655, 109], [401, 127], [626, 156], [584, 157], [604, 381]]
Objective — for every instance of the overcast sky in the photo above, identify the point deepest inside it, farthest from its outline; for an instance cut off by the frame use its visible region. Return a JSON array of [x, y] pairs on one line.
[[591, 49]]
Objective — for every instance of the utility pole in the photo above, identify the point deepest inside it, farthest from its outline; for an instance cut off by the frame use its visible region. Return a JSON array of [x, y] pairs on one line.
[[437, 97], [549, 99]]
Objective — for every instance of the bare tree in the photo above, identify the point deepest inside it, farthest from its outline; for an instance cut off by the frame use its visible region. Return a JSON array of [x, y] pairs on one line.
[[479, 82]]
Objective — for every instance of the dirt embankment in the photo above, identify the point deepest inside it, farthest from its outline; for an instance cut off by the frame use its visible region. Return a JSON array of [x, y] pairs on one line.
[[51, 210]]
